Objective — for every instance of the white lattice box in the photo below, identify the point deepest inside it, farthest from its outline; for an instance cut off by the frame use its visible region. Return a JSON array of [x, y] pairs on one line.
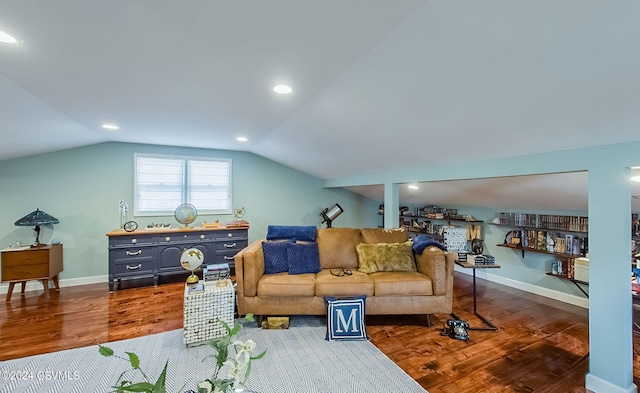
[[203, 311]]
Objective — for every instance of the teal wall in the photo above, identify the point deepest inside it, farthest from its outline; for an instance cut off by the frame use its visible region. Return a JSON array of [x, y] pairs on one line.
[[609, 196], [82, 187]]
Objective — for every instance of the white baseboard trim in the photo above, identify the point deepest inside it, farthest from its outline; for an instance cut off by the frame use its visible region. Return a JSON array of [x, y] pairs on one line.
[[599, 385], [66, 282], [550, 293]]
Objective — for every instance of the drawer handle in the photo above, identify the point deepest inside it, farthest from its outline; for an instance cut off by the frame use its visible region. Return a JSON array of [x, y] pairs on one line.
[[136, 267], [133, 253], [227, 245], [228, 258]]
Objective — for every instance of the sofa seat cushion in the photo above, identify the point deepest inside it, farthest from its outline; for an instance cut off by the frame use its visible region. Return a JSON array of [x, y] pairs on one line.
[[401, 284], [355, 284], [287, 285]]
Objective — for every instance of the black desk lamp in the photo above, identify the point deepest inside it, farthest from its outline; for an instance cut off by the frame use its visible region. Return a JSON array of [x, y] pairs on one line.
[[36, 218], [331, 213]]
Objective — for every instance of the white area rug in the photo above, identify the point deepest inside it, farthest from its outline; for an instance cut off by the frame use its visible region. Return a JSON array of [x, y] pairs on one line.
[[298, 359]]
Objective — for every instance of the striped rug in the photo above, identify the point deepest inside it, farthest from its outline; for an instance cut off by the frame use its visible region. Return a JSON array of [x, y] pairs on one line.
[[298, 359]]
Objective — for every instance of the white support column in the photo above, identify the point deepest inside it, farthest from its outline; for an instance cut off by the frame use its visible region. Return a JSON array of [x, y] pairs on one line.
[[610, 321], [391, 205]]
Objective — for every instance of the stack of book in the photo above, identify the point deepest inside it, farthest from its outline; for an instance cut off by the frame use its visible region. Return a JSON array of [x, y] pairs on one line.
[[482, 260], [216, 271]]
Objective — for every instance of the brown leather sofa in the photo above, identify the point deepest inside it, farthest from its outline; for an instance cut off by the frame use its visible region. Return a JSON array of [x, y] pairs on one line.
[[429, 290]]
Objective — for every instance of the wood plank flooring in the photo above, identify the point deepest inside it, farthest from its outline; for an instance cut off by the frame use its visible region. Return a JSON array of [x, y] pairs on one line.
[[541, 345]]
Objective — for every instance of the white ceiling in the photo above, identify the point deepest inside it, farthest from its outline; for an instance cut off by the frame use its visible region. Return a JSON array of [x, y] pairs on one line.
[[377, 84]]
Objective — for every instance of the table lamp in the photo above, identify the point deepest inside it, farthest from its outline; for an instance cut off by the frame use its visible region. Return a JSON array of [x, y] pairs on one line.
[[36, 219]]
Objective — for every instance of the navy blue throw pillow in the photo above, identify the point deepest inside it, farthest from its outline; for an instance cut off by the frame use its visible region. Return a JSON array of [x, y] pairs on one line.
[[275, 257], [303, 258], [291, 232], [345, 318], [422, 242]]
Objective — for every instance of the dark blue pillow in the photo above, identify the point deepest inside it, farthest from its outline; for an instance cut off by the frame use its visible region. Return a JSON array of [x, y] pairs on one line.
[[303, 258], [422, 242], [275, 257], [302, 233], [345, 318]]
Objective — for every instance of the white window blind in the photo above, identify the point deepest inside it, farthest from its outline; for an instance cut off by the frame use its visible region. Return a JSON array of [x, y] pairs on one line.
[[162, 183]]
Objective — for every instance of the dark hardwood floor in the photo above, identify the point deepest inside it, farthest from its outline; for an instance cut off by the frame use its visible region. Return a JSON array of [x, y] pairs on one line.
[[541, 345]]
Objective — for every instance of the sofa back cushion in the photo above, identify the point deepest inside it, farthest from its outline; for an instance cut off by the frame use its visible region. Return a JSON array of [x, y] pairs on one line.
[[386, 257], [337, 247], [384, 235]]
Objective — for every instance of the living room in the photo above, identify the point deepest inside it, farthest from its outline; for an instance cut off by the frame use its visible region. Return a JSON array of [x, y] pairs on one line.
[[287, 176]]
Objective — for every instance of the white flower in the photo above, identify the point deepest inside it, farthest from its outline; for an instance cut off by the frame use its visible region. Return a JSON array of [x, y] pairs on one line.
[[205, 387], [244, 348], [236, 371]]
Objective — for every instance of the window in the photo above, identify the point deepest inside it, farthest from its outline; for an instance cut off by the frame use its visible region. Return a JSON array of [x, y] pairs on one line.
[[162, 183]]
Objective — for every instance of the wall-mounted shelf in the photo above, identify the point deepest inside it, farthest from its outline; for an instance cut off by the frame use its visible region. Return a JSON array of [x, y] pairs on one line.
[[523, 249], [577, 283]]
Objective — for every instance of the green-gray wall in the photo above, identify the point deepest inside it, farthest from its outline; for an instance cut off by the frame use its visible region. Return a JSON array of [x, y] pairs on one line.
[[82, 187]]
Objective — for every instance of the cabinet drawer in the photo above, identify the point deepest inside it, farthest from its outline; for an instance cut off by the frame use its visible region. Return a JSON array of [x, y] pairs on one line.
[[238, 234], [133, 266], [225, 256], [231, 245], [182, 237], [132, 252], [124, 241], [26, 272], [16, 258]]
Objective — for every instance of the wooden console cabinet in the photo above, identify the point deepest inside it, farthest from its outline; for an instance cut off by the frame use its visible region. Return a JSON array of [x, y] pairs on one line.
[[151, 253], [42, 263]]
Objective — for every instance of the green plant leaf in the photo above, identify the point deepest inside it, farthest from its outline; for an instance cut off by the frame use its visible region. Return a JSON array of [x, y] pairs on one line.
[[259, 356], [159, 386], [133, 359], [105, 351], [249, 317], [136, 387]]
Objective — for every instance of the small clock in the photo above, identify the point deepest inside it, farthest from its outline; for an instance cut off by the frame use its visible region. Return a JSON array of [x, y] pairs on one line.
[[130, 226]]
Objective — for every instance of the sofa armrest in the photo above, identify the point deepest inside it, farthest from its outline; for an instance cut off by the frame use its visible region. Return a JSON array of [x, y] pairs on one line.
[[249, 268], [437, 265]]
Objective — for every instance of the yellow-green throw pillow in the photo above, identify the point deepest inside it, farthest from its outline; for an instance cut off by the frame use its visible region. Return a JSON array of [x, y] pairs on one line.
[[385, 257]]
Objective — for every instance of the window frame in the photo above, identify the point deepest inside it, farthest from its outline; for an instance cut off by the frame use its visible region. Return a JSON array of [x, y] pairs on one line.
[[185, 184]]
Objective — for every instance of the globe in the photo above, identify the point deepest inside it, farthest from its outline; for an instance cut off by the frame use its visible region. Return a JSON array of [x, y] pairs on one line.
[[191, 259], [186, 214]]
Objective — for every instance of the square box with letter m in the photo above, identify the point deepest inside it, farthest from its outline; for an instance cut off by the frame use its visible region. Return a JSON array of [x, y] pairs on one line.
[[345, 319]]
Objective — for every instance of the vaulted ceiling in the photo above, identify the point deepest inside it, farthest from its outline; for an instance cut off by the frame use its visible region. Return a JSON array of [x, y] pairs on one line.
[[377, 85]]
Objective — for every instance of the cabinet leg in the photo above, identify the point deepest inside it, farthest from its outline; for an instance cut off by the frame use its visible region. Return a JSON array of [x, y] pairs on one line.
[[11, 285], [155, 281], [23, 286], [56, 282], [110, 285], [45, 284]]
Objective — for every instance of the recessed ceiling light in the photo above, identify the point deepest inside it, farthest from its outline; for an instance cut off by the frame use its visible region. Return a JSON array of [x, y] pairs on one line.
[[110, 127], [282, 89], [6, 38], [413, 187], [242, 139]]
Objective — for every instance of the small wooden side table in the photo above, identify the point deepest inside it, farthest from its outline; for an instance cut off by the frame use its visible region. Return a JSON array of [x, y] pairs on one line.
[[490, 326], [42, 263]]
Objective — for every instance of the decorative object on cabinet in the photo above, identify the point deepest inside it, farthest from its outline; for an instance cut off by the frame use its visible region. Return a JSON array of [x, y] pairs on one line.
[[238, 222], [142, 254], [123, 209], [329, 214], [130, 226], [42, 263], [186, 214], [36, 218], [191, 259]]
